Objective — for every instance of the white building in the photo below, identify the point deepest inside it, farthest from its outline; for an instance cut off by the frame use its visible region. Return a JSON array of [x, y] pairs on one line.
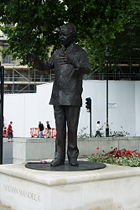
[[26, 110]]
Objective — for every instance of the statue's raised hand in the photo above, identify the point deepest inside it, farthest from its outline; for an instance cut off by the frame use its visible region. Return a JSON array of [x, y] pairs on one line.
[[32, 58]]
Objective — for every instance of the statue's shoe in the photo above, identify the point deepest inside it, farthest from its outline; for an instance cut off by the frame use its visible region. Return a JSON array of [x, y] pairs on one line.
[[73, 162], [56, 162]]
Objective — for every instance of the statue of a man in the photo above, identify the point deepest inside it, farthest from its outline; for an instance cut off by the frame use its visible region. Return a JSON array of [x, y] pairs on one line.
[[70, 63]]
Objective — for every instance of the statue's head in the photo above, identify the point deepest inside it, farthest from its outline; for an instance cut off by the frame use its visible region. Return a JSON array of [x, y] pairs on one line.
[[67, 34]]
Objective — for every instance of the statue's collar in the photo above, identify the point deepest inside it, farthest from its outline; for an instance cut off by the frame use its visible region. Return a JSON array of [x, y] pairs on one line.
[[69, 48]]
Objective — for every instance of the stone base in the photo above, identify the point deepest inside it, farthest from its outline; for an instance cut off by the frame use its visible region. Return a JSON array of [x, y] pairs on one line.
[[111, 188]]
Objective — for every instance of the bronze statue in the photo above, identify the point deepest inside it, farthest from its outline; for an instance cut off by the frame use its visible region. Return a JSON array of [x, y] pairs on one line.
[[70, 63]]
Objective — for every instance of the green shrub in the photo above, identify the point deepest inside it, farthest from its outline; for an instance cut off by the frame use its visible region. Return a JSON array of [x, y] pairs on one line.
[[117, 156]]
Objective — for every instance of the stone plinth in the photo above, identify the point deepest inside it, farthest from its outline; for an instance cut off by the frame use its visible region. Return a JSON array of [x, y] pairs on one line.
[[111, 188], [26, 149], [7, 151]]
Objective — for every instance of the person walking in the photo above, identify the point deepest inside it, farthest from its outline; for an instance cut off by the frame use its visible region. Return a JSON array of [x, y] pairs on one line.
[[41, 129], [98, 129], [48, 129], [10, 131]]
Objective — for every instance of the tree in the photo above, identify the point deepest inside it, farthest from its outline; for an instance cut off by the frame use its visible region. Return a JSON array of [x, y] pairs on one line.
[[32, 25], [126, 45]]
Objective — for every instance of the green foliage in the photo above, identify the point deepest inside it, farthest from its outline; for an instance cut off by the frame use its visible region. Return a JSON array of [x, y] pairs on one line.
[[121, 157], [120, 133], [32, 25], [83, 133], [127, 43]]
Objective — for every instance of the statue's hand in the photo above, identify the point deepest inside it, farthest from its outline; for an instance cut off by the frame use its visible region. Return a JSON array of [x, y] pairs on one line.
[[64, 59], [32, 58]]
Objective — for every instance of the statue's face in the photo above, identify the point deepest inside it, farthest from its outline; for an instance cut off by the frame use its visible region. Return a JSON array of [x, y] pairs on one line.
[[66, 36]]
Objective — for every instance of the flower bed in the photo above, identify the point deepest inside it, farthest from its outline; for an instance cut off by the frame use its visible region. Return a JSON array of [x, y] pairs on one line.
[[117, 156]]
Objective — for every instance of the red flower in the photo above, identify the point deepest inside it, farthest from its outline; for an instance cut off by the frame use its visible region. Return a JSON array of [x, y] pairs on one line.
[[122, 155], [129, 155], [129, 151]]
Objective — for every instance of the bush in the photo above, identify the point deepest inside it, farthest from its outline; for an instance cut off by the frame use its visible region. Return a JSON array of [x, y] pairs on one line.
[[117, 156]]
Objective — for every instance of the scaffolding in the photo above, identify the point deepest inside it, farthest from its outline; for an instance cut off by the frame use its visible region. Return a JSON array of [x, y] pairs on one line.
[[126, 70], [23, 79]]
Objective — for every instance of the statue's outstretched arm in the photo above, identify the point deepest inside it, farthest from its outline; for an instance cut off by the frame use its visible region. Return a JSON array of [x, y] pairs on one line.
[[39, 64]]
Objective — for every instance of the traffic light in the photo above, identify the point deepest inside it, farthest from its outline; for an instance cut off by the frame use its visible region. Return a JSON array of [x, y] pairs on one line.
[[88, 104]]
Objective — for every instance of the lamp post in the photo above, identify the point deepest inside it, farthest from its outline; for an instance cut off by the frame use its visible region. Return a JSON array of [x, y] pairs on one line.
[[1, 111], [107, 54]]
